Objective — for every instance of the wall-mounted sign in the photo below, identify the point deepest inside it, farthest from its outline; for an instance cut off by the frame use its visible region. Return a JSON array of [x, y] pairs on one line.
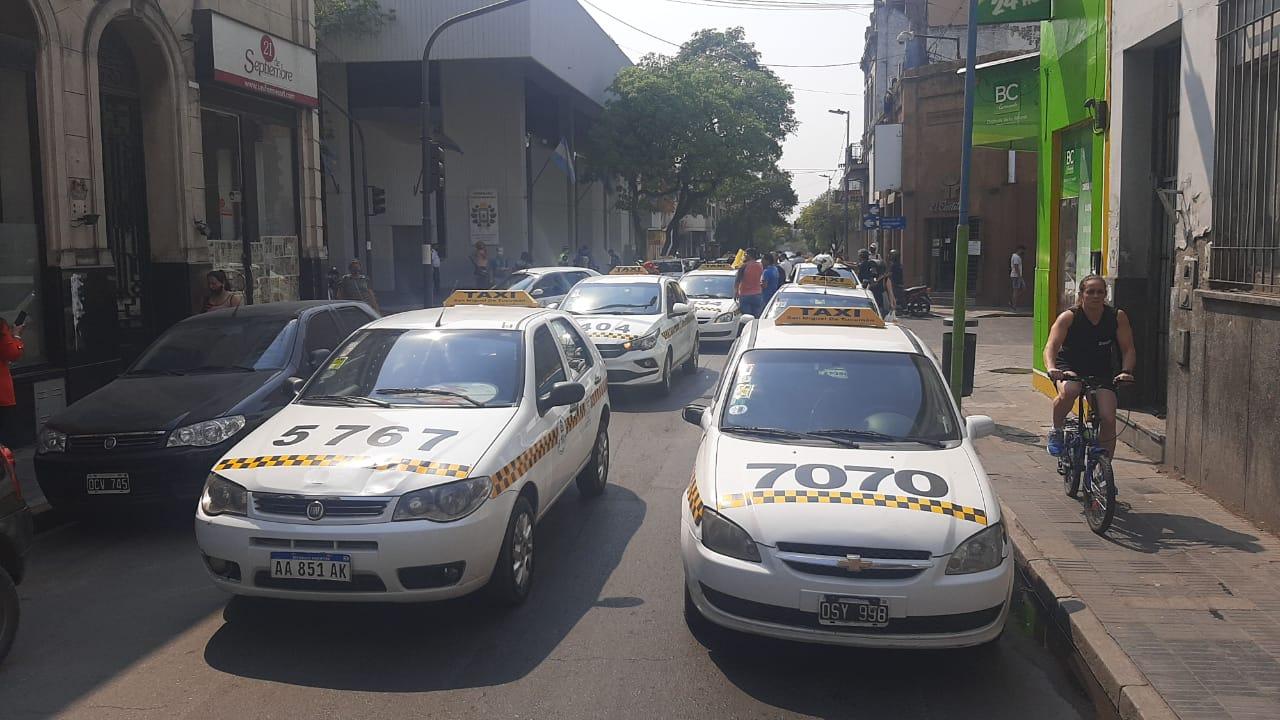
[[484, 216], [1006, 111], [232, 53], [994, 12]]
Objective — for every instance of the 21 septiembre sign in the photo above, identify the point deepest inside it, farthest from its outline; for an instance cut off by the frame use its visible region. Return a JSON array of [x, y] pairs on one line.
[[993, 12]]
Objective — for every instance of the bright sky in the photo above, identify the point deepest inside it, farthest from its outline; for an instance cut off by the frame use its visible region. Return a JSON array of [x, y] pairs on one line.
[[786, 32]]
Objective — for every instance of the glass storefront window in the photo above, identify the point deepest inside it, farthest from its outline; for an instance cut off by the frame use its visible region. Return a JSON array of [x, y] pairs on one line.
[[223, 195], [275, 254], [19, 215]]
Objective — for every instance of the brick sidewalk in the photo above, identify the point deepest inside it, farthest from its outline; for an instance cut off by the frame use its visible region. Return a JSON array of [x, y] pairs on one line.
[[1189, 592]]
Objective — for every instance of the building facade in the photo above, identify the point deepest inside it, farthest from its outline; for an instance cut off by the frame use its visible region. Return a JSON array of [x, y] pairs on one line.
[[142, 144]]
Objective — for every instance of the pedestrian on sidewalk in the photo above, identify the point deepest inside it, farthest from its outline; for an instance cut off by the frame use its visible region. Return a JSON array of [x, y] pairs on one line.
[[749, 286], [481, 277], [498, 266], [435, 269], [219, 295], [1016, 282], [771, 280], [10, 352], [355, 286], [873, 277], [1082, 344], [896, 272], [525, 262]]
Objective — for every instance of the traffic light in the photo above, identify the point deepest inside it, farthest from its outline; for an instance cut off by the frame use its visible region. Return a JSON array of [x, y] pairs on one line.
[[377, 200], [435, 169]]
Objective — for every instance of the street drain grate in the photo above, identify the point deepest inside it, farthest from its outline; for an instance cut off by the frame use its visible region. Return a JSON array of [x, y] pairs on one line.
[[1012, 371]]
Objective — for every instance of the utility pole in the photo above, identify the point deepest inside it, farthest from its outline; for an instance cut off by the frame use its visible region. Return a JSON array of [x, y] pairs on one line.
[[844, 177], [428, 281], [962, 228]]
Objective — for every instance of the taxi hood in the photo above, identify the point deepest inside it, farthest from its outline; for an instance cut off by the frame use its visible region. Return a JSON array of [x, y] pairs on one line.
[[889, 498], [308, 449], [616, 327]]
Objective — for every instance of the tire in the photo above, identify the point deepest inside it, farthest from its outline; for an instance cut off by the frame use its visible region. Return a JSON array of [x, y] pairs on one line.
[[513, 573], [593, 478], [10, 613], [1100, 495], [690, 366], [1071, 470], [664, 385]]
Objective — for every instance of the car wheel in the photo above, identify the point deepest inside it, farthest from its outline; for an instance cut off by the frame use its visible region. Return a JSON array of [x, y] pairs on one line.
[[595, 475], [9, 613], [513, 574], [691, 365], [664, 385]]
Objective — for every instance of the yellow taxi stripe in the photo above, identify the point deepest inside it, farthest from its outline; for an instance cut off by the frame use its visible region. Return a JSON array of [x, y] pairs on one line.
[[600, 335], [695, 501], [421, 467], [767, 497], [507, 476], [666, 334]]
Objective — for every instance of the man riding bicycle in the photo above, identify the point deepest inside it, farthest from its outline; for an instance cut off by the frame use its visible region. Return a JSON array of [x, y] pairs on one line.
[[1082, 344]]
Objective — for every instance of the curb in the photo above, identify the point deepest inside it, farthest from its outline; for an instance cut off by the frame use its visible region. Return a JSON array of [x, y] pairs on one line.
[[1128, 689]]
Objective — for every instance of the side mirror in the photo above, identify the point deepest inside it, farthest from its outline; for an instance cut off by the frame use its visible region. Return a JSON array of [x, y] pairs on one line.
[[561, 394], [553, 305], [294, 385], [316, 358], [537, 292], [693, 414], [980, 426], [680, 309], [747, 317]]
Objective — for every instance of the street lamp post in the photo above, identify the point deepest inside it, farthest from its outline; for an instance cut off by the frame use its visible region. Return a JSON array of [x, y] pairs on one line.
[[844, 178], [962, 227], [428, 283]]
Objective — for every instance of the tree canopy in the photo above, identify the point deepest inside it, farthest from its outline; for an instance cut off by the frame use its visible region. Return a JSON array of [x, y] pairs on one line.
[[682, 128], [752, 205], [351, 16], [821, 221]]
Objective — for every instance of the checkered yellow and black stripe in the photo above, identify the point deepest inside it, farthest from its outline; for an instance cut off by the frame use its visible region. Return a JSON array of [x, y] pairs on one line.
[[666, 334], [601, 335], [507, 476], [695, 501], [942, 507], [421, 467]]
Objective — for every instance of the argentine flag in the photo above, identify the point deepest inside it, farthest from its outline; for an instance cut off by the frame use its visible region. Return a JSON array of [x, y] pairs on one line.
[[564, 160]]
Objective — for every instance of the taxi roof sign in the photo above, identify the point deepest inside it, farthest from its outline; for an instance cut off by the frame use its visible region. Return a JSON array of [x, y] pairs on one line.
[[842, 282], [715, 266], [503, 298], [629, 270], [833, 316]]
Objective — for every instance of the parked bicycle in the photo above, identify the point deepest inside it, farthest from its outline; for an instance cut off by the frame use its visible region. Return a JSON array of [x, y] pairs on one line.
[[1084, 458]]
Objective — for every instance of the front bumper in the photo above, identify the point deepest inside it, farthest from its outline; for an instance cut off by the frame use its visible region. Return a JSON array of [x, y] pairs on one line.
[[636, 367], [156, 475], [390, 561], [929, 610], [709, 331]]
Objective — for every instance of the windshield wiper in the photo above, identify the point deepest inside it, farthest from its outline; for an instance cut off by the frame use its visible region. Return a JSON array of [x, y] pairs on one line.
[[877, 437], [622, 305], [140, 373], [217, 369], [790, 435], [429, 391], [346, 400]]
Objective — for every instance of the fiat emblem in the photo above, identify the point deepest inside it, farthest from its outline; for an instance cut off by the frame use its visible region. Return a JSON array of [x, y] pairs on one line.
[[315, 510], [109, 443]]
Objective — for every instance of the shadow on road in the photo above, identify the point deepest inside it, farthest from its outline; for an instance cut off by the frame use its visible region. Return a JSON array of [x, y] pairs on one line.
[[462, 643], [685, 389], [1153, 532]]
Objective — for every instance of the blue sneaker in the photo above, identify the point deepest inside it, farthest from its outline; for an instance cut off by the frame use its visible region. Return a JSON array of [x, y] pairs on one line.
[[1055, 443]]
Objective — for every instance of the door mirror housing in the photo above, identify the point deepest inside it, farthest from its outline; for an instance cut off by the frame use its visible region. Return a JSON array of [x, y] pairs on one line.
[[553, 305], [316, 358], [680, 309], [694, 414], [980, 426], [294, 385], [561, 394], [537, 292]]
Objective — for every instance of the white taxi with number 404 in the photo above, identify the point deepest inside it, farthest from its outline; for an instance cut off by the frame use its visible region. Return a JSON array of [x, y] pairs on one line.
[[837, 496], [416, 462], [642, 324]]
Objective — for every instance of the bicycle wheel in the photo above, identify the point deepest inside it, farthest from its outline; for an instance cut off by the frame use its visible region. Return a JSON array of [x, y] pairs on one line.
[[1100, 494], [1069, 464]]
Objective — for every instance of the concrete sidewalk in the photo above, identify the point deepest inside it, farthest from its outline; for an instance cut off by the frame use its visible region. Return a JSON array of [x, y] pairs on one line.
[[1176, 611]]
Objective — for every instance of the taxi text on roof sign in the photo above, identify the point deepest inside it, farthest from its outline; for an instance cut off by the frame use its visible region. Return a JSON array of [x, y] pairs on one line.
[[506, 298], [629, 270], [715, 266], [825, 281], [842, 317]]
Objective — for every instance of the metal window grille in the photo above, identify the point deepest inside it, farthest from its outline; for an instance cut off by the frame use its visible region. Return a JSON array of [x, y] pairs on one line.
[[1246, 211]]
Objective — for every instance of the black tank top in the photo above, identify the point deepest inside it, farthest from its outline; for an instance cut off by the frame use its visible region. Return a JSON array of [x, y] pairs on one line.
[[1090, 349]]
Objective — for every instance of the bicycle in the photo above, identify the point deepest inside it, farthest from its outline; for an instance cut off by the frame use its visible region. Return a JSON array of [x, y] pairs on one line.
[[1083, 454]]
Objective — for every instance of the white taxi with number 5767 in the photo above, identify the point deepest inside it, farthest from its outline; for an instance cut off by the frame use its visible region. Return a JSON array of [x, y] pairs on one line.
[[837, 497], [416, 462]]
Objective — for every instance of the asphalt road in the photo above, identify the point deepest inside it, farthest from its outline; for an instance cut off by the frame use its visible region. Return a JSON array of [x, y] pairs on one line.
[[121, 622]]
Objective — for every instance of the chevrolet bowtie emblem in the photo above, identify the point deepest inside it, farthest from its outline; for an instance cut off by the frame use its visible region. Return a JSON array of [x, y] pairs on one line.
[[855, 563]]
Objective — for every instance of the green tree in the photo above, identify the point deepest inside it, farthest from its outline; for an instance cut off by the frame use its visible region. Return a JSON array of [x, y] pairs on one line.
[[678, 129], [821, 222], [350, 16], [753, 206]]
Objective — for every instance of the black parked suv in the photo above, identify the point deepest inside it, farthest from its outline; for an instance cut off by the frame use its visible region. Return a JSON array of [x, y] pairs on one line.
[[152, 434], [15, 538]]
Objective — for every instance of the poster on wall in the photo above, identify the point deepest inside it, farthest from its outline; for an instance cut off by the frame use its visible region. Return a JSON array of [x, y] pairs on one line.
[[484, 216]]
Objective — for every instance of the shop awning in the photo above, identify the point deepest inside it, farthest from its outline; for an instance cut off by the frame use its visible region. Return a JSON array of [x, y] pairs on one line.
[[1006, 111]]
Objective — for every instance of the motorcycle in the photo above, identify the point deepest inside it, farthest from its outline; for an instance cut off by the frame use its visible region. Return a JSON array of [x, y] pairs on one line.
[[916, 301]]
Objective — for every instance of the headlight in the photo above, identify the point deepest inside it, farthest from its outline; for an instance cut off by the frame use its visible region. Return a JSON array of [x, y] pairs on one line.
[[51, 441], [644, 343], [207, 433], [983, 551], [444, 503], [223, 497], [725, 537], [724, 317]]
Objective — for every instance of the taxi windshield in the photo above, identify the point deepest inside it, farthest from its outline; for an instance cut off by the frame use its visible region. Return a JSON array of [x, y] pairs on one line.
[[782, 301], [854, 395], [613, 299], [453, 368], [708, 286]]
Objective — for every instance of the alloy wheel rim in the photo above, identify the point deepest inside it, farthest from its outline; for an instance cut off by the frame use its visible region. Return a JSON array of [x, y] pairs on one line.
[[602, 457], [522, 550]]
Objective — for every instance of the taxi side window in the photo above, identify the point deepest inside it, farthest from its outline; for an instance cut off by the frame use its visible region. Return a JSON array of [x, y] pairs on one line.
[[322, 332], [575, 348], [673, 295], [552, 284], [548, 368]]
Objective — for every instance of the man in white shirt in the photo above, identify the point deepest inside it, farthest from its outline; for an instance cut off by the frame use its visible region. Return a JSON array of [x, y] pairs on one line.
[[1016, 281]]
